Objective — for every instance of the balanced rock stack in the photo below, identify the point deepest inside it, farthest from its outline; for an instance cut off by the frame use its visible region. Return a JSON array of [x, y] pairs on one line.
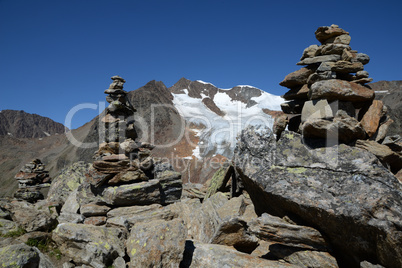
[[328, 97], [118, 121], [124, 173], [31, 178]]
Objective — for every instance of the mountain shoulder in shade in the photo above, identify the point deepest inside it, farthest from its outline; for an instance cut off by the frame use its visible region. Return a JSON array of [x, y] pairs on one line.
[[20, 124], [390, 92]]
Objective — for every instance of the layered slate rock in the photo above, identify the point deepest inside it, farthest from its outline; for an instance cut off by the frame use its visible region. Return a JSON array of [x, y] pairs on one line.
[[343, 191]]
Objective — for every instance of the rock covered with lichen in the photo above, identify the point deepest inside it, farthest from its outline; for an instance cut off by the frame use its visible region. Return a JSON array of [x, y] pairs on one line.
[[342, 190]]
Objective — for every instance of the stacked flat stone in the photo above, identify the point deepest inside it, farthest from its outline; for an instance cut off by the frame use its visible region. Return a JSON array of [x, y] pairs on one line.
[[124, 173], [31, 179], [328, 97]]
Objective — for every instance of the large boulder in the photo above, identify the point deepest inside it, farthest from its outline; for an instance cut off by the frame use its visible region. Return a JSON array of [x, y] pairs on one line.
[[141, 193], [7, 226], [38, 217], [157, 243], [202, 220], [23, 256], [69, 180], [90, 245], [126, 217], [343, 191], [19, 256], [210, 255], [275, 229], [387, 156]]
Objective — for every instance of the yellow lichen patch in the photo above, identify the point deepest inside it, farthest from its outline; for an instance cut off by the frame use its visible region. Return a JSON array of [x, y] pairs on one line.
[[145, 244], [72, 185], [298, 170], [133, 251], [134, 187], [290, 136]]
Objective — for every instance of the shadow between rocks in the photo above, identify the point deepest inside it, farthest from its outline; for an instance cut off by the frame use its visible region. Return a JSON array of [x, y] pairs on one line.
[[188, 254]]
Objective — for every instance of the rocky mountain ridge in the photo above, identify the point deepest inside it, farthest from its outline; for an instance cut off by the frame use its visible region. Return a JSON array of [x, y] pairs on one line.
[[20, 124], [390, 92]]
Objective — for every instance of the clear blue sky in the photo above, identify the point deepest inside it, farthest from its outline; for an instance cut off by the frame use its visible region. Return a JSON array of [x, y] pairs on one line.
[[57, 54]]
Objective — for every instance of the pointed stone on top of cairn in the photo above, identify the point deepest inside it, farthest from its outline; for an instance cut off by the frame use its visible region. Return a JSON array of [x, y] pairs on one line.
[[31, 178], [328, 98]]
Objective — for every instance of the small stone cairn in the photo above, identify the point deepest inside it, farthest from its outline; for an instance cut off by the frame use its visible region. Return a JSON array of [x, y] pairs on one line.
[[328, 97], [31, 179]]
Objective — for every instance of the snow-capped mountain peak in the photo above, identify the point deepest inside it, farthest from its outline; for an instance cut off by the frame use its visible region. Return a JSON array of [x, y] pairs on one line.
[[217, 116]]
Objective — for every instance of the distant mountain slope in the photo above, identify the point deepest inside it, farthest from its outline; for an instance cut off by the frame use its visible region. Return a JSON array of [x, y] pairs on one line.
[[20, 124], [390, 92]]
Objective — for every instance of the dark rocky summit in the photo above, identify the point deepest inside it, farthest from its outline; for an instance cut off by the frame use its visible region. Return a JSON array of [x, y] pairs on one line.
[[20, 124]]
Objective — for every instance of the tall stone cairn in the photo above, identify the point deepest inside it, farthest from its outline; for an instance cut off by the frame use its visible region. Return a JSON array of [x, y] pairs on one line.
[[31, 178], [328, 98], [124, 172], [118, 152]]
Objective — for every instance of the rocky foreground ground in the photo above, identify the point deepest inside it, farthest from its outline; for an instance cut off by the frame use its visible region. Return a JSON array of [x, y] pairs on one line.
[[293, 210]]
